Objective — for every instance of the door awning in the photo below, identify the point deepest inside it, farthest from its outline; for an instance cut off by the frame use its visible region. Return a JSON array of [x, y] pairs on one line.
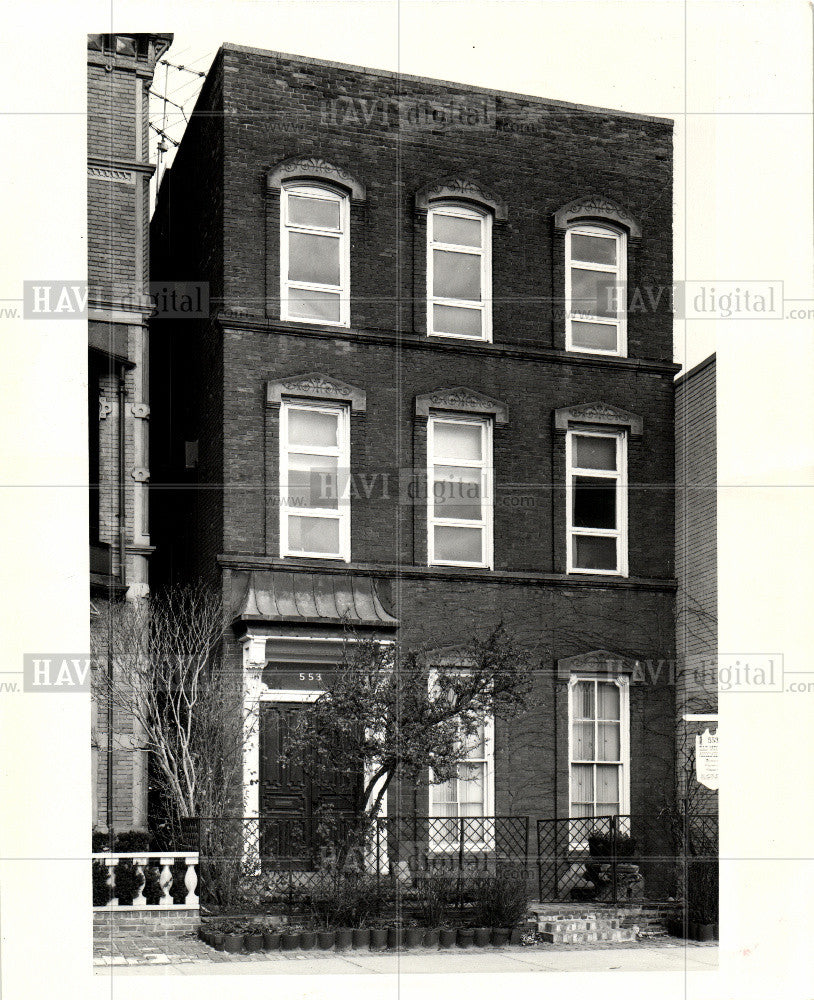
[[309, 598]]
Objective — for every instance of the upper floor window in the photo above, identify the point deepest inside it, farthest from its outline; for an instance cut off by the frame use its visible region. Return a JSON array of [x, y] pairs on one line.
[[596, 501], [314, 255], [459, 272], [314, 464], [459, 505], [595, 290]]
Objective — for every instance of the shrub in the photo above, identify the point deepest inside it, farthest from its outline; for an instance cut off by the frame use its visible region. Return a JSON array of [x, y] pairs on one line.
[[501, 900], [600, 845], [434, 899], [343, 901], [702, 891]]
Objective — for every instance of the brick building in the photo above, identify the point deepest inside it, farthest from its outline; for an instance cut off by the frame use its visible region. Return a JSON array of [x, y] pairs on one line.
[[120, 72], [412, 280]]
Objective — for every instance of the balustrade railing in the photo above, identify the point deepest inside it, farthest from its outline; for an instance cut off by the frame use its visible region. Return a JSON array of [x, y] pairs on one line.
[[145, 880]]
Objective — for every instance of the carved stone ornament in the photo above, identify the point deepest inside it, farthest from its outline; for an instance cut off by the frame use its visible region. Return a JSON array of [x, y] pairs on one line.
[[140, 410], [312, 167], [461, 400], [463, 190], [597, 413], [315, 385], [105, 408], [598, 207], [114, 174], [140, 475], [602, 662]]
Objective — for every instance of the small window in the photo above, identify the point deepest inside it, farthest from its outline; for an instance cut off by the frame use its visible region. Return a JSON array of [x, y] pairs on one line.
[[599, 742], [314, 464], [459, 493], [596, 499], [314, 255], [462, 805], [595, 290], [459, 275]]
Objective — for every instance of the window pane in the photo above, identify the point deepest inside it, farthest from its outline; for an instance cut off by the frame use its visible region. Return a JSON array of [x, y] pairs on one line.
[[314, 259], [313, 534], [458, 544], [594, 336], [594, 452], [609, 702], [452, 440], [475, 745], [445, 798], [607, 785], [584, 700], [456, 492], [608, 739], [593, 293], [320, 306], [594, 249], [456, 275], [594, 502], [471, 789], [458, 320], [317, 212], [583, 739], [451, 229], [313, 481], [312, 428], [582, 783], [591, 552]]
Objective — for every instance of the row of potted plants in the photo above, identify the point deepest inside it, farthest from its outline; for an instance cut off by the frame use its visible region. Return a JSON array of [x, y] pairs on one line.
[[254, 936]]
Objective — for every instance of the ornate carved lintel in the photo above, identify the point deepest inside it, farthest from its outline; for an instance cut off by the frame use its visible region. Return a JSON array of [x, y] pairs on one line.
[[461, 400], [316, 385], [459, 189], [597, 413], [596, 206], [314, 168]]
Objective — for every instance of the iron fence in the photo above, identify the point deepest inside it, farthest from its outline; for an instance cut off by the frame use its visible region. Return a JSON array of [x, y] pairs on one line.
[[252, 864], [622, 858]]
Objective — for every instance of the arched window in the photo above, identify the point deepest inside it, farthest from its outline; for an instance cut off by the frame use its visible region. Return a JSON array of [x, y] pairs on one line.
[[459, 271], [314, 254], [595, 289]]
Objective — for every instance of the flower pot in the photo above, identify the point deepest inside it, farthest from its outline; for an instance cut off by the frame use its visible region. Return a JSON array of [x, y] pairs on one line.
[[447, 937], [516, 935], [703, 932], [414, 937], [216, 940], [308, 940], [271, 940], [290, 940], [466, 935], [675, 928], [233, 943], [431, 936], [203, 934], [482, 936], [500, 936], [395, 937], [378, 937], [253, 942], [326, 940], [361, 937], [344, 939]]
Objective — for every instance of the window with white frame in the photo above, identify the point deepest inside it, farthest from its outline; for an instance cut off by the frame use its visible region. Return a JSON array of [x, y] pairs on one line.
[[596, 501], [459, 272], [459, 491], [463, 804], [595, 290], [314, 469], [314, 255], [599, 742]]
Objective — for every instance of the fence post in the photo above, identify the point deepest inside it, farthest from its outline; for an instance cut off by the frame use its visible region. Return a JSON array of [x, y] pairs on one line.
[[378, 867], [613, 832]]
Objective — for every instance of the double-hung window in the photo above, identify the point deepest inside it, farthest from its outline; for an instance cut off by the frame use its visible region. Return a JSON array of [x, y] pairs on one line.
[[599, 748], [314, 469], [462, 806], [459, 274], [314, 255], [595, 290], [596, 501], [459, 488]]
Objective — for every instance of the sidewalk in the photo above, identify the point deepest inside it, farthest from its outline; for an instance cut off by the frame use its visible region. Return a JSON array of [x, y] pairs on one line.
[[191, 957]]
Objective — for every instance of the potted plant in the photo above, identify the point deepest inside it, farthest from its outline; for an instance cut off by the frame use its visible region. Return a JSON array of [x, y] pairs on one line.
[[326, 939], [431, 937], [308, 940], [702, 899], [447, 937], [344, 938], [271, 939], [500, 936], [466, 935], [413, 936], [290, 939], [395, 937], [361, 937], [501, 902], [253, 936], [601, 845], [233, 937], [378, 938]]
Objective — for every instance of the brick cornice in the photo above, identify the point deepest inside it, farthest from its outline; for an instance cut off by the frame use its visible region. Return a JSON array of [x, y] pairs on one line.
[[412, 341]]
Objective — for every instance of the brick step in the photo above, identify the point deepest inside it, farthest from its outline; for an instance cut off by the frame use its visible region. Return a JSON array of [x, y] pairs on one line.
[[616, 936], [566, 926]]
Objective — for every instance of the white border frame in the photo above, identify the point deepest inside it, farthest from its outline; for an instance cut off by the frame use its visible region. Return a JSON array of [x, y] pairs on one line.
[[325, 192], [620, 323], [620, 533], [343, 515], [486, 465], [485, 253]]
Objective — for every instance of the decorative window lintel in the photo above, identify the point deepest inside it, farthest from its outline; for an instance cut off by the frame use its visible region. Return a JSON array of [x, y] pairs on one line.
[[457, 189], [313, 168], [315, 385], [597, 413], [596, 207], [461, 400], [602, 662]]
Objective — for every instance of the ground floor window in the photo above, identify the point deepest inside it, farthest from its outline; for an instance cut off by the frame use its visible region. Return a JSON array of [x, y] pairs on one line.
[[463, 804], [598, 747]]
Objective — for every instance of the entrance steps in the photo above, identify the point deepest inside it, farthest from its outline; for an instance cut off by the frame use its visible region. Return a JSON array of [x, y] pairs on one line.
[[564, 923]]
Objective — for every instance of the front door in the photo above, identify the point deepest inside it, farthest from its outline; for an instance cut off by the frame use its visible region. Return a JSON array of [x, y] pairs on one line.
[[291, 793]]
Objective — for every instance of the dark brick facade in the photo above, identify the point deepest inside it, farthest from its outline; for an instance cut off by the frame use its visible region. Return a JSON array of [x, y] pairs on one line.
[[218, 221]]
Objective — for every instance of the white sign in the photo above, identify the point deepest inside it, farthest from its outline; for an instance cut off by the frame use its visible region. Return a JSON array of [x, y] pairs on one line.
[[706, 759]]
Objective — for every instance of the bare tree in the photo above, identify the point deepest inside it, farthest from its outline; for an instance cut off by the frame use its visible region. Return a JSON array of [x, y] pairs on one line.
[[159, 661]]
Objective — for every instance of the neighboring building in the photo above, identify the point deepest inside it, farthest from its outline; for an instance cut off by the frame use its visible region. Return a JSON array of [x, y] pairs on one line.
[[411, 278], [120, 71], [696, 569]]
